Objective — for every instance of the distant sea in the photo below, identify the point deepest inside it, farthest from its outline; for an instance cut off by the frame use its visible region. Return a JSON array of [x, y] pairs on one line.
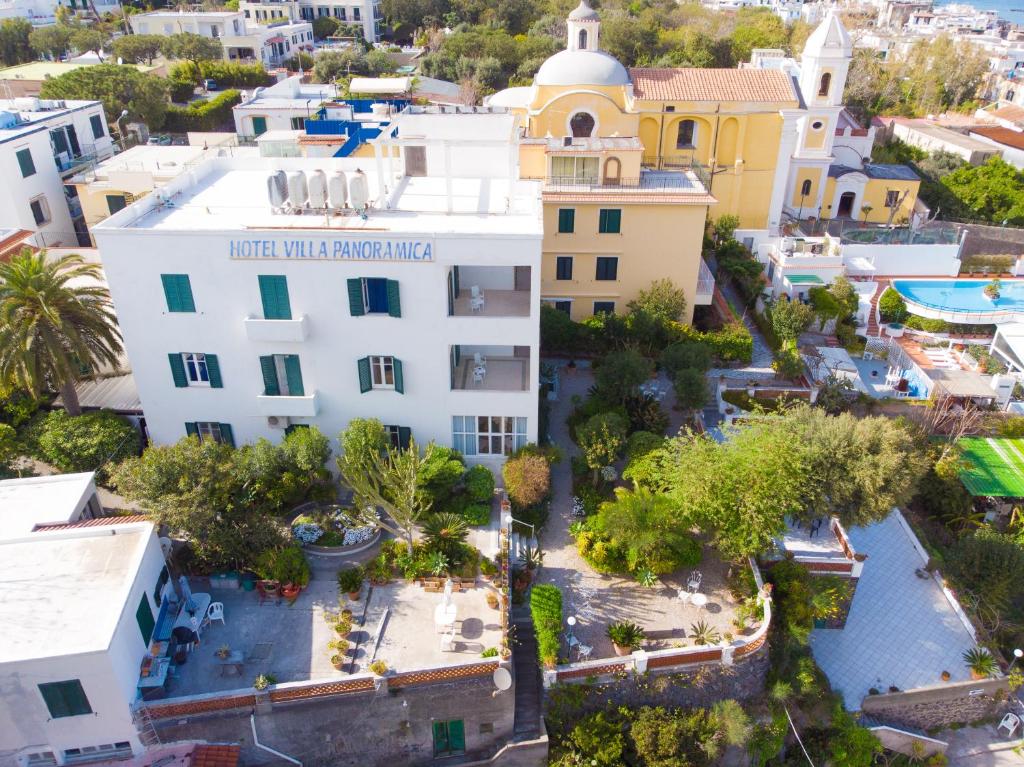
[[1011, 10]]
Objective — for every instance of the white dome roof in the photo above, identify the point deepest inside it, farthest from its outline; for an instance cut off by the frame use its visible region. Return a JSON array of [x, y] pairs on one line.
[[581, 68], [584, 12]]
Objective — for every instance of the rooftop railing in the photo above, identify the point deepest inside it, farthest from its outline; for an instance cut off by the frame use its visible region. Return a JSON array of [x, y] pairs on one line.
[[651, 182]]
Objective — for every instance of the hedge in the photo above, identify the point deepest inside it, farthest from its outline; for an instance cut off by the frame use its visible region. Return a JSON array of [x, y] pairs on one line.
[[88, 442], [226, 73], [202, 115], [892, 307], [546, 610]]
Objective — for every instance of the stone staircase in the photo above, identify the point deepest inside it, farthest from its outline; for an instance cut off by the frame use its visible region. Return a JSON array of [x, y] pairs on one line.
[[517, 545], [873, 329]]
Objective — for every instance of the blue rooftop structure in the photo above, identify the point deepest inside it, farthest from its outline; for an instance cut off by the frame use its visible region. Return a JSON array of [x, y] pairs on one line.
[[358, 131]]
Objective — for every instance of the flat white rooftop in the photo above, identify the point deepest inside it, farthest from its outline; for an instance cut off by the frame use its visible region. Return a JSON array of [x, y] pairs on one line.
[[25, 503], [62, 593], [229, 195], [162, 161]]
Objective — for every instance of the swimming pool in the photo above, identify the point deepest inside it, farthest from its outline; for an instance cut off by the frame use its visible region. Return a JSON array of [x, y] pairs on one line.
[[962, 300]]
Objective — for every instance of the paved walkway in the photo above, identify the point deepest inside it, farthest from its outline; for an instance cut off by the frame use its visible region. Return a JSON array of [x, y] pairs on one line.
[[761, 361], [982, 747]]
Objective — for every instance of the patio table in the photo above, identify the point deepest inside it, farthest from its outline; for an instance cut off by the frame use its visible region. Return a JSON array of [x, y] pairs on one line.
[[699, 600], [194, 622]]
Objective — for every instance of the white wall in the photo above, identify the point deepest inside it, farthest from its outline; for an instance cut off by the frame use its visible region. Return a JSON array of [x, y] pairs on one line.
[[916, 260], [487, 277]]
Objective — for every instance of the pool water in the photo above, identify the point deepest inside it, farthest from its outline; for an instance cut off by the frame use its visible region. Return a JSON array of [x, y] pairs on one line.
[[962, 295]]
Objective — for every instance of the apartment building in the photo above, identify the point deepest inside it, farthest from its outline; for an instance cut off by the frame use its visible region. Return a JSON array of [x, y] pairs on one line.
[[408, 291], [43, 143], [365, 14]]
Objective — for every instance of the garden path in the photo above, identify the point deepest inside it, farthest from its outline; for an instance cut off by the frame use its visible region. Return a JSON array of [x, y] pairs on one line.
[[761, 362]]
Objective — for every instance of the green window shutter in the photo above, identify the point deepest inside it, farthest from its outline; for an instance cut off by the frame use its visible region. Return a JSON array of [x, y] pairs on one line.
[[456, 736], [144, 617], [566, 220], [274, 292], [28, 168], [54, 698], [65, 698], [455, 277], [191, 428], [610, 221], [365, 382], [441, 746], [356, 306], [227, 436], [394, 299], [270, 385], [178, 292], [293, 374], [404, 436], [213, 370], [178, 370], [399, 378]]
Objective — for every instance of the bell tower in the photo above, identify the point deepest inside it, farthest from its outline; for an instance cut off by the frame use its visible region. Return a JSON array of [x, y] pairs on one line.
[[584, 26]]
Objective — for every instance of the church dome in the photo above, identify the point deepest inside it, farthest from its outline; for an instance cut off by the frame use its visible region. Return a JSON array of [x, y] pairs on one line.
[[581, 67]]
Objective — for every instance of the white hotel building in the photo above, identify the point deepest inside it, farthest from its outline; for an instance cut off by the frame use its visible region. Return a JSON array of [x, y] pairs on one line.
[[422, 310]]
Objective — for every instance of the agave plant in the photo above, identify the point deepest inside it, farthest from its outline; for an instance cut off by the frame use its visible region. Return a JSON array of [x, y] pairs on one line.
[[445, 532], [625, 634], [646, 578], [980, 662], [645, 414], [437, 563], [531, 558], [703, 634]]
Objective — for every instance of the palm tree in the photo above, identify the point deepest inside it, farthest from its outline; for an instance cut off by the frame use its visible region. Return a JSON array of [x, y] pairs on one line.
[[55, 319]]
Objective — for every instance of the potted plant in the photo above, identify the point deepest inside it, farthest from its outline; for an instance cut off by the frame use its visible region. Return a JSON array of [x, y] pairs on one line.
[[980, 662], [343, 627], [223, 652], [626, 636], [287, 566], [379, 668], [350, 581], [492, 600], [263, 681], [340, 647], [992, 290], [338, 661], [704, 634]]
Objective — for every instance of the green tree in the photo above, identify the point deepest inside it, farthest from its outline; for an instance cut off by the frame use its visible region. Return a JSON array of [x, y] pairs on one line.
[[137, 49], [325, 26], [52, 41], [789, 318], [892, 307], [662, 301], [648, 528], [527, 479], [993, 191], [601, 439], [87, 442], [143, 95], [55, 318], [686, 354], [193, 48], [334, 64], [14, 44], [691, 388], [621, 373], [379, 63], [88, 39]]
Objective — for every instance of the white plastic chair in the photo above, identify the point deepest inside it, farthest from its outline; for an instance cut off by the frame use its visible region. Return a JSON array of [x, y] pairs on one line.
[[583, 651], [475, 292], [1010, 722], [478, 375], [693, 584], [216, 613], [479, 360]]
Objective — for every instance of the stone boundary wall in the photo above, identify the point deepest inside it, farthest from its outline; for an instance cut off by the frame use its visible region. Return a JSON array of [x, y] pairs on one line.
[[984, 240], [939, 705]]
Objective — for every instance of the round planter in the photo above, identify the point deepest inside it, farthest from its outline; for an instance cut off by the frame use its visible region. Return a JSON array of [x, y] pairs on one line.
[[354, 595], [895, 330], [290, 591], [621, 651], [341, 551]]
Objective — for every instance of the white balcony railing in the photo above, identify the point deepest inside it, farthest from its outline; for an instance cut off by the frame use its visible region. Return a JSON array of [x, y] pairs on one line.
[[277, 331], [292, 407], [705, 285]]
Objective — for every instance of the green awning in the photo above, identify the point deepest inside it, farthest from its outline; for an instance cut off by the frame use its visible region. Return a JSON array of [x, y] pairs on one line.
[[993, 466], [804, 279]]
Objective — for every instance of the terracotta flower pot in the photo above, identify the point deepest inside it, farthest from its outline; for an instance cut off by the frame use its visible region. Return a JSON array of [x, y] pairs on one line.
[[354, 596], [620, 650], [290, 590]]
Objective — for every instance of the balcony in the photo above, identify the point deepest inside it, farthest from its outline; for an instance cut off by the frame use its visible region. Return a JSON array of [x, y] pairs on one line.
[[277, 331], [489, 291], [490, 368], [292, 407], [682, 181], [705, 285]]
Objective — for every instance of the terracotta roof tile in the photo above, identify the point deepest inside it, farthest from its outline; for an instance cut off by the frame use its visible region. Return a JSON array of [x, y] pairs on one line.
[[215, 756], [1005, 136], [98, 522], [758, 85], [1009, 112]]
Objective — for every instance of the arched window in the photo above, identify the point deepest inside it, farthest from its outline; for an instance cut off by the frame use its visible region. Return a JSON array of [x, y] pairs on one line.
[[826, 81], [805, 188], [612, 170], [687, 135], [582, 125], [583, 40]]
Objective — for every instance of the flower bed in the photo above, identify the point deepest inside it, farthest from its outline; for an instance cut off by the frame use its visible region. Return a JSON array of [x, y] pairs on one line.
[[331, 527]]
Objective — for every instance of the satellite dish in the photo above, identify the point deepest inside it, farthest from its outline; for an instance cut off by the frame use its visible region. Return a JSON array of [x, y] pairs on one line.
[[502, 679]]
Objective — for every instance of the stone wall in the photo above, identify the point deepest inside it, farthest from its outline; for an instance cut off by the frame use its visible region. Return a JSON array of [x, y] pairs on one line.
[[985, 240], [939, 705], [367, 729]]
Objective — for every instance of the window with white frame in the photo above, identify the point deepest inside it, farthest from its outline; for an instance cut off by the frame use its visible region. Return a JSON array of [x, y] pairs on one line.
[[40, 210], [575, 168], [195, 369], [488, 435], [209, 430], [383, 371]]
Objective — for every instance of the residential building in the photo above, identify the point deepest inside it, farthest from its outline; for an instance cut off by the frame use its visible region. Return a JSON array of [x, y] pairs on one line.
[[364, 14], [1009, 142], [271, 42], [932, 137], [52, 499], [28, 79], [42, 143], [415, 302], [79, 601], [283, 106]]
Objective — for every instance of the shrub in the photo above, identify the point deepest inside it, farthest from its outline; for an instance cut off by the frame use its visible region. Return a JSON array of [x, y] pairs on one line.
[[640, 443], [479, 484], [546, 610], [621, 373], [228, 74], [350, 580], [92, 441], [892, 307], [181, 90], [441, 470], [686, 354], [202, 116], [645, 414], [477, 514], [927, 324], [601, 438], [691, 388], [558, 333], [527, 479], [662, 301], [733, 343], [787, 362]]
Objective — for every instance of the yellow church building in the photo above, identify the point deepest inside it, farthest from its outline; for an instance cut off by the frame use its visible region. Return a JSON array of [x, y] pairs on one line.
[[635, 162]]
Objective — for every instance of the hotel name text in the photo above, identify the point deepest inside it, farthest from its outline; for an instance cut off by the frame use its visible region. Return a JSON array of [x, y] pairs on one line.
[[333, 250]]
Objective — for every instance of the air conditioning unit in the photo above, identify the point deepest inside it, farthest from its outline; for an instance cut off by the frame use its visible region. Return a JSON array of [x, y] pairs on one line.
[[277, 421]]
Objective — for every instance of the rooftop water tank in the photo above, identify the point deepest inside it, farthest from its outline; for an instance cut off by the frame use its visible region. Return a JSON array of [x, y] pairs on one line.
[[298, 192], [277, 189], [8, 120], [318, 190], [337, 190], [359, 190]]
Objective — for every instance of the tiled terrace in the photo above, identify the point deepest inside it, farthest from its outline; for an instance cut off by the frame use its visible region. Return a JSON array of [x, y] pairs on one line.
[[901, 630], [503, 374], [497, 303]]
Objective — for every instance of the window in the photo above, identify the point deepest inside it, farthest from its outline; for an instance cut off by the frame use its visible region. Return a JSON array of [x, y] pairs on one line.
[[575, 169], [826, 81], [805, 188], [28, 168], [195, 369], [282, 375], [209, 430], [274, 292], [65, 698], [563, 268], [581, 125], [40, 210], [670, 108], [97, 126], [686, 135], [178, 292], [374, 295], [116, 202], [607, 268], [564, 306], [488, 435], [144, 617], [817, 125], [381, 372], [604, 307], [398, 436], [609, 221], [298, 123], [158, 592], [582, 40], [566, 220], [892, 198]]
